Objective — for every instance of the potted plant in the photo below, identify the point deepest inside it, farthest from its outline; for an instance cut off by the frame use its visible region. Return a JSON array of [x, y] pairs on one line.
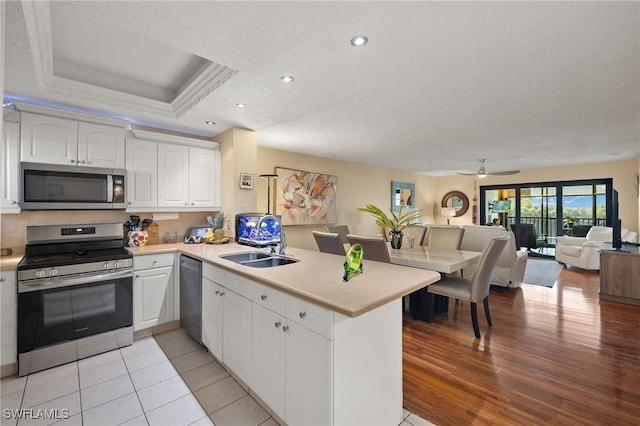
[[396, 222]]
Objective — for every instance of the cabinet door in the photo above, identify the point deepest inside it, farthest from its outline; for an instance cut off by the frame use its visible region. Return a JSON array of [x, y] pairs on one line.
[[153, 297], [100, 145], [267, 366], [173, 175], [308, 369], [10, 167], [212, 317], [204, 178], [46, 139], [142, 173], [236, 334], [9, 313]]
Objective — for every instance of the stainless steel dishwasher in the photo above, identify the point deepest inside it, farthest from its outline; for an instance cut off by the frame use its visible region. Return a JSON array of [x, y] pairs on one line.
[[191, 296]]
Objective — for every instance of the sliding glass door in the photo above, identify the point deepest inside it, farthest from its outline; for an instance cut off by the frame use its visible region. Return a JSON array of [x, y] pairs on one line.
[[539, 212]]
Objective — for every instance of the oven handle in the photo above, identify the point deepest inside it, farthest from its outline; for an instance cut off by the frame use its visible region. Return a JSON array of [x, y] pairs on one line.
[[59, 282]]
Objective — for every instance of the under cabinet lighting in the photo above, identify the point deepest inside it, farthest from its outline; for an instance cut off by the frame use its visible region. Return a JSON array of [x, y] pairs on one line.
[[287, 78], [210, 123], [241, 105]]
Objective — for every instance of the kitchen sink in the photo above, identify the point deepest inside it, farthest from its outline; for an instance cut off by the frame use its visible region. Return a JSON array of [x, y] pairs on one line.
[[258, 259]]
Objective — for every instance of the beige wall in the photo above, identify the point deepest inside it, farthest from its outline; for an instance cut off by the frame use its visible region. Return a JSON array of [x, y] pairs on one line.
[[358, 184]]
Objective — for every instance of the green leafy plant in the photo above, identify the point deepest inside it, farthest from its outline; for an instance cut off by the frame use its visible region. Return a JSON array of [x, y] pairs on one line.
[[396, 221], [219, 220]]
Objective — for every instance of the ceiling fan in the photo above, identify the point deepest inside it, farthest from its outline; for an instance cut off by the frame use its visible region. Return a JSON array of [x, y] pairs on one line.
[[482, 171]]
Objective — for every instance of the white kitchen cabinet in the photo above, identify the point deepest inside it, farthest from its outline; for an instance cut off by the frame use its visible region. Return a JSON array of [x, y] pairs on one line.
[[153, 290], [292, 364], [57, 140], [267, 339], [226, 322], [10, 167], [310, 365], [308, 377], [188, 177], [47, 139], [236, 334], [100, 145], [142, 173], [8, 321], [204, 177], [173, 175], [212, 317]]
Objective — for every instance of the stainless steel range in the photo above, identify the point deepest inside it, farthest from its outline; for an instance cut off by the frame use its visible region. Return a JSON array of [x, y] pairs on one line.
[[75, 294]]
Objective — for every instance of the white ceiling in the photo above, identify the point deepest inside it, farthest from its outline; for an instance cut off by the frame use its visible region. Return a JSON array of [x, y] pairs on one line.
[[439, 85]]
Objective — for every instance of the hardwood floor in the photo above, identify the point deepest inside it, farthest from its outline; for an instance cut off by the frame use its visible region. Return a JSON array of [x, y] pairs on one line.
[[553, 356]]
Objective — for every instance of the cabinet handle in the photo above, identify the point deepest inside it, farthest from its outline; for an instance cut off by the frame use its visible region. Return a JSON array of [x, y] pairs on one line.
[[277, 324], [73, 161], [217, 292], [193, 204], [82, 162], [303, 315], [186, 204], [263, 297], [222, 293], [155, 261], [285, 328], [137, 275], [3, 279], [14, 202]]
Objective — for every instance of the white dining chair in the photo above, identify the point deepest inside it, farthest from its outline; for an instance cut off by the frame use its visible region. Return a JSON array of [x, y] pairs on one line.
[[475, 289]]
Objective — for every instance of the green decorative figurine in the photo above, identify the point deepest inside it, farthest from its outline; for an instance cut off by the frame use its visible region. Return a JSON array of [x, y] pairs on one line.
[[353, 262]]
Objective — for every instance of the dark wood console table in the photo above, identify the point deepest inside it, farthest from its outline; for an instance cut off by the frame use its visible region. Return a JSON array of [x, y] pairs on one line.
[[620, 275]]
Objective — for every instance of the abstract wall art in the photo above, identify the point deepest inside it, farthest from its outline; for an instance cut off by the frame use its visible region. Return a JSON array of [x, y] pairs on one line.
[[305, 198]]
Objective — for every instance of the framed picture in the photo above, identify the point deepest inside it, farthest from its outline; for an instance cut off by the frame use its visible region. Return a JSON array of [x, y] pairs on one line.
[[246, 180], [305, 198], [403, 195]]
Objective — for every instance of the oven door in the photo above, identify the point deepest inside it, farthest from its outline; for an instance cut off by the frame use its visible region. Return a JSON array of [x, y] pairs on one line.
[[62, 309]]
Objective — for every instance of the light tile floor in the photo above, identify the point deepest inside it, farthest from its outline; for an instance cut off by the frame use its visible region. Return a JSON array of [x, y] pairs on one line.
[[170, 380]]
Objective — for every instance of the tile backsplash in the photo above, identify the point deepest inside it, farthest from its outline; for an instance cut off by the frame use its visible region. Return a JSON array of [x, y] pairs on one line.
[[13, 226]]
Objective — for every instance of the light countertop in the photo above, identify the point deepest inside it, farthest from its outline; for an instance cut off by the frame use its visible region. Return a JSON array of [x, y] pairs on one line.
[[9, 263], [317, 277]]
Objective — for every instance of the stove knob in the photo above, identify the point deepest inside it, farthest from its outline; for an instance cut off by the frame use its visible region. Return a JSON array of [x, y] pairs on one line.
[[40, 273], [117, 265], [107, 266], [53, 272]]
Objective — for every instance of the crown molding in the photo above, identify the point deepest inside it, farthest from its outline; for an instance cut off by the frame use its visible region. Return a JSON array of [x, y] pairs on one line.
[[39, 28]]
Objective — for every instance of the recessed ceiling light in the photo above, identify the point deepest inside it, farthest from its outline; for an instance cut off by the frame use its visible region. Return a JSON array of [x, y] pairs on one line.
[[241, 105], [287, 78], [210, 123], [359, 41]]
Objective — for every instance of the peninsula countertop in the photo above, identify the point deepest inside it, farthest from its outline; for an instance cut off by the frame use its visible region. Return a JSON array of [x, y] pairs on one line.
[[317, 277]]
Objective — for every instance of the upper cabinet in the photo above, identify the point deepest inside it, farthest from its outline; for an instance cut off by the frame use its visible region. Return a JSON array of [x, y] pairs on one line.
[[142, 173], [10, 165], [172, 173], [58, 140]]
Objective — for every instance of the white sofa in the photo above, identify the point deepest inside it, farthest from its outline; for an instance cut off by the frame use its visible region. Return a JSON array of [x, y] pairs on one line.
[[509, 270], [584, 252]]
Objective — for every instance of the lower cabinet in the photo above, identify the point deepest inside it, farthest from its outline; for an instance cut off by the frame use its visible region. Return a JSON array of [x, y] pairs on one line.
[[153, 290], [9, 323], [310, 365], [226, 325]]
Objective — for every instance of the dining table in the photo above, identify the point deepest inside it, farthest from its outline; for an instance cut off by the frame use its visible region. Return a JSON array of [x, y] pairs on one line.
[[422, 304]]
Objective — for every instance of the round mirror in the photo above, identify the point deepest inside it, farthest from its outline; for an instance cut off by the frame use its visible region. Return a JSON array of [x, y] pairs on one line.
[[456, 200]]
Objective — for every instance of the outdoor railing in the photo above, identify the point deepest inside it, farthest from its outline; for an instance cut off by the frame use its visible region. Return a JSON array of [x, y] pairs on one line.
[[548, 226]]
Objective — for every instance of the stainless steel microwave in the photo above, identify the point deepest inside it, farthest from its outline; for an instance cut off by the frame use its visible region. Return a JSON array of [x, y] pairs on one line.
[[53, 187]]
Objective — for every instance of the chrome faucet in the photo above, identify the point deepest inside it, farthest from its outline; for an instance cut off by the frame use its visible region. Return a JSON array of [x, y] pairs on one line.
[[283, 240]]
